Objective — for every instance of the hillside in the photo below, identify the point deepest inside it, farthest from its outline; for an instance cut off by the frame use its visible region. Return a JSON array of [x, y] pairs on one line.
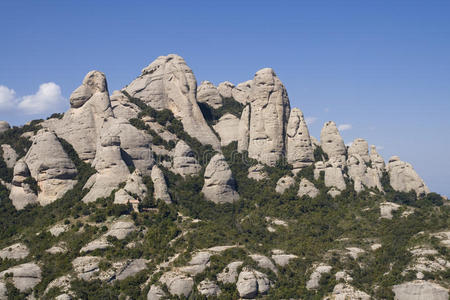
[[169, 190]]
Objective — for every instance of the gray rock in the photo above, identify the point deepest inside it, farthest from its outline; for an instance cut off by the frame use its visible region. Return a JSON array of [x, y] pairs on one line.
[[332, 143], [160, 186], [86, 267], [51, 167], [420, 290], [251, 282], [244, 129], [9, 155], [257, 172], [313, 282], [230, 273], [284, 183], [155, 293], [403, 178], [376, 160], [17, 251], [121, 229], [131, 268], [282, 259], [208, 93], [4, 126], [57, 249], [360, 147], [134, 190], [225, 89], [3, 290], [184, 160], [228, 129], [307, 188], [21, 193], [58, 229], [333, 192], [177, 283], [264, 262], [122, 107], [62, 283], [219, 181], [25, 276], [208, 288], [299, 149], [269, 113], [63, 297], [346, 291], [334, 178], [241, 93], [362, 175], [93, 82], [168, 83], [198, 263], [100, 243]]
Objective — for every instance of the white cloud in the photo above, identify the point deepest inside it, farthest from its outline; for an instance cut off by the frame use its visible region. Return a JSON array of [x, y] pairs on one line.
[[343, 127], [7, 98], [310, 120], [379, 147], [47, 98]]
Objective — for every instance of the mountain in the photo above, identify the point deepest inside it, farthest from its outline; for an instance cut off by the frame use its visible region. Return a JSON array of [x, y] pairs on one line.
[[166, 189]]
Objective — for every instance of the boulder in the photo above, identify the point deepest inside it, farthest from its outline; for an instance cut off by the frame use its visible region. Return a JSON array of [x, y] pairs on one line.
[[299, 149], [9, 155], [360, 147], [269, 113], [184, 160], [257, 172], [362, 175], [177, 283], [131, 268], [244, 129], [97, 244], [403, 178], [264, 262], [50, 166], [122, 107], [219, 181], [160, 186], [168, 83], [86, 267], [225, 89], [4, 126], [198, 263], [230, 273], [333, 192], [17, 251], [155, 293], [21, 193], [241, 93], [419, 290], [307, 188], [121, 229], [332, 143], [228, 129], [314, 279], [57, 249], [62, 283], [343, 291], [284, 183], [334, 178], [134, 190], [282, 259], [24, 276], [208, 93], [58, 229], [251, 282], [208, 288]]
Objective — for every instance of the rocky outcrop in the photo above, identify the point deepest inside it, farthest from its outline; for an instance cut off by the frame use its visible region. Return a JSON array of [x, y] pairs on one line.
[[244, 129], [228, 129], [198, 263], [269, 112], [130, 268], [257, 172], [419, 290], [343, 291], [376, 160], [251, 282], [363, 176], [403, 178], [177, 283], [160, 186], [122, 107], [134, 190], [17, 251], [81, 124], [58, 229], [168, 83], [241, 93], [208, 93], [307, 188], [24, 277], [86, 267], [264, 262], [208, 288], [9, 155], [184, 160], [360, 147], [225, 89], [4, 126], [313, 282], [50, 166], [121, 229], [332, 143], [155, 293], [299, 149], [284, 183], [21, 193], [219, 181], [282, 259], [230, 273], [334, 178]]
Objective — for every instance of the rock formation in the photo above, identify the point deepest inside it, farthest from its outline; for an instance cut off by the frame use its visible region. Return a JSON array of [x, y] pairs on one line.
[[160, 186], [257, 172], [332, 143], [155, 293], [228, 129], [21, 193], [122, 107], [4, 126], [178, 284], [251, 282], [219, 182], [184, 160], [284, 183], [17, 251], [403, 178], [313, 282], [168, 83], [360, 147], [307, 188], [230, 273], [208, 288], [299, 149], [345, 291], [25, 276], [420, 289], [377, 161], [9, 155], [225, 89], [51, 167], [244, 129], [241, 93], [133, 191], [208, 93]]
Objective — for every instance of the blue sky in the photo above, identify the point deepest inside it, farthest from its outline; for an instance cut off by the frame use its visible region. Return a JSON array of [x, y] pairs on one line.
[[380, 67]]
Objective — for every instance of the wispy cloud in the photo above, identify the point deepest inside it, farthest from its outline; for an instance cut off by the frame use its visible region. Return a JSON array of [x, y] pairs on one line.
[[343, 127], [7, 98], [310, 120]]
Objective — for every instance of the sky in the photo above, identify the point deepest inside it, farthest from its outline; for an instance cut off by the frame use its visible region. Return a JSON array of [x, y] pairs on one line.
[[379, 69]]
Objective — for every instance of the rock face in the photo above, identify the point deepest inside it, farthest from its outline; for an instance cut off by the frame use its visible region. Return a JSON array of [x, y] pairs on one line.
[[184, 161], [230, 273], [332, 142], [282, 259], [313, 282], [4, 126], [16, 251], [307, 188], [155, 293], [284, 183], [257, 172], [21, 193], [208, 93], [86, 267], [419, 290], [360, 147], [403, 178], [219, 182], [134, 188], [269, 112], [208, 288], [376, 160], [122, 107], [244, 129], [25, 276], [168, 83], [334, 178], [343, 291], [9, 155], [264, 262], [160, 185], [80, 126], [225, 89], [177, 283], [50, 166], [251, 282], [228, 129], [241, 93], [299, 149], [121, 229]]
